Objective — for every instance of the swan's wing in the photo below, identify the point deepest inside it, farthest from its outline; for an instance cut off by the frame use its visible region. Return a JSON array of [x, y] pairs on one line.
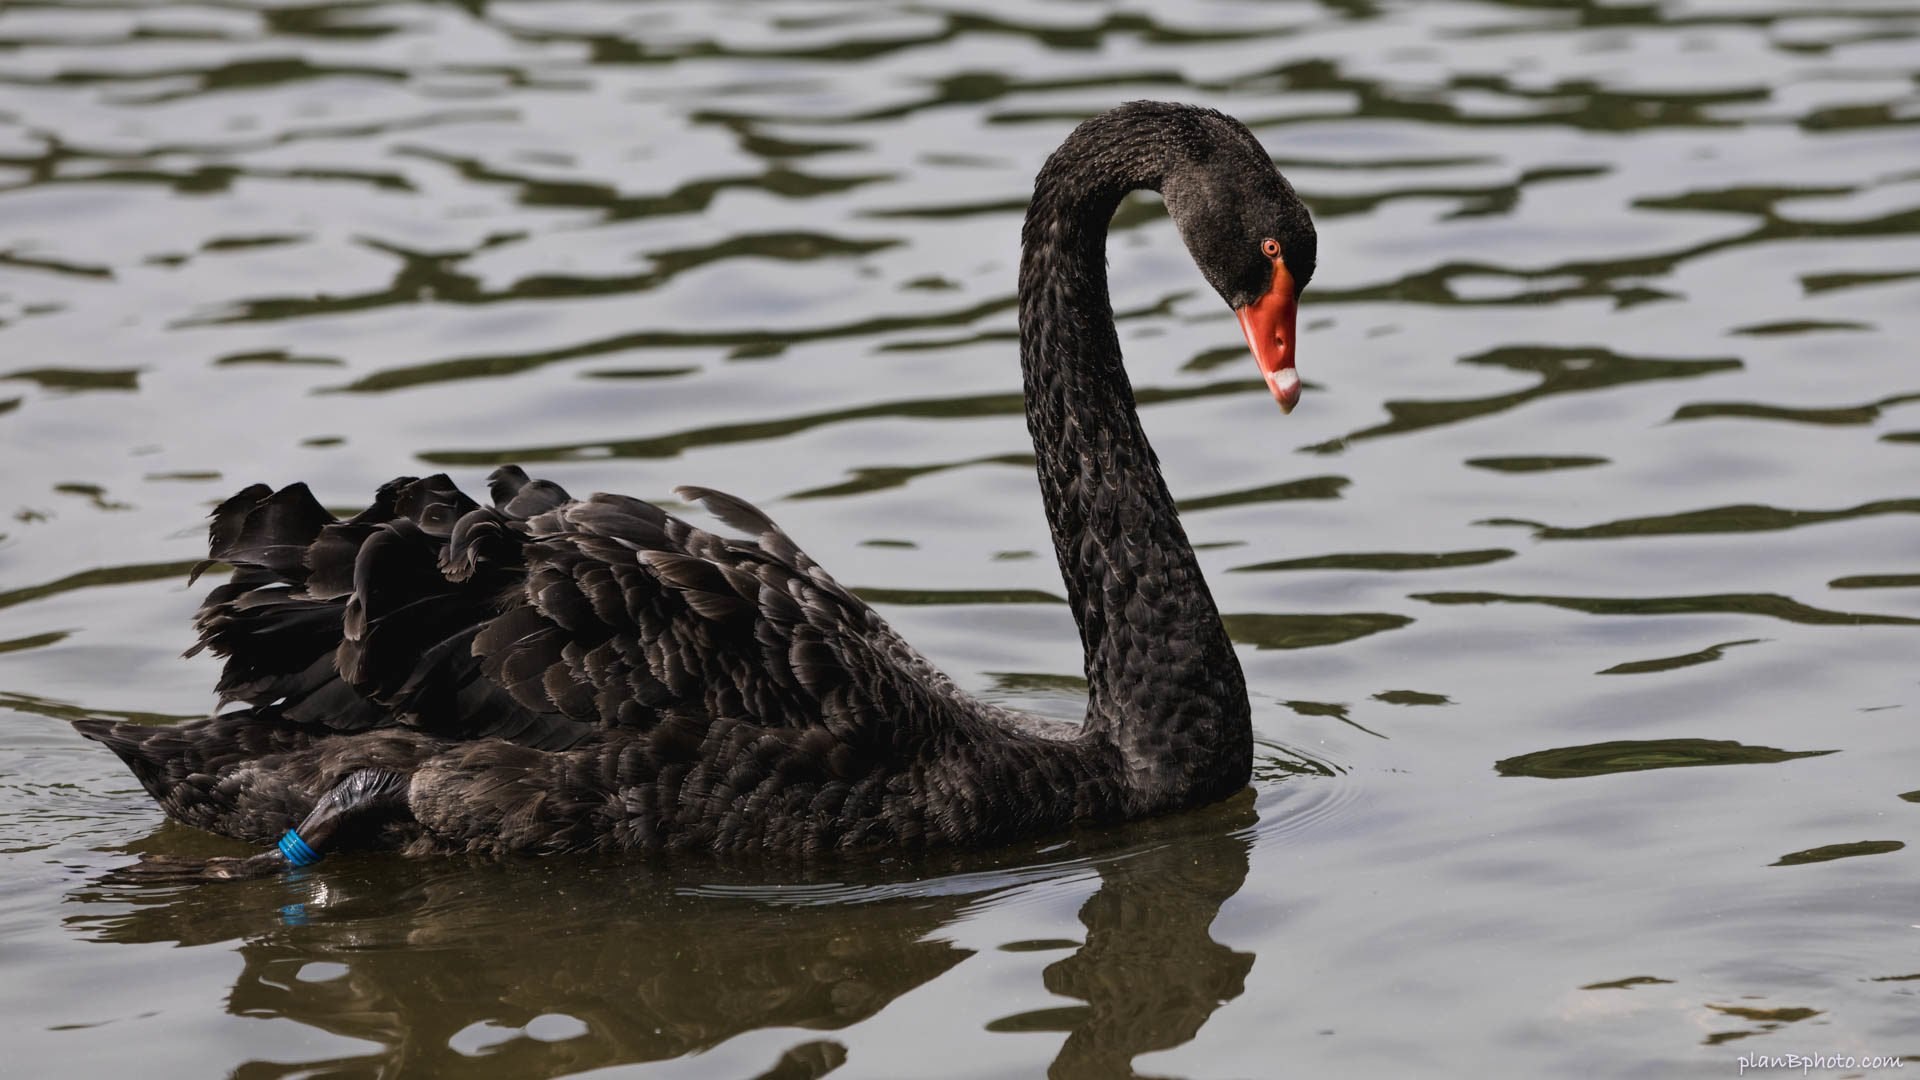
[[629, 613], [368, 622], [540, 619]]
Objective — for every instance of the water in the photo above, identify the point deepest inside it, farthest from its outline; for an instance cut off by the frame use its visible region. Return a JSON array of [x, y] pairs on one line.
[[1578, 600]]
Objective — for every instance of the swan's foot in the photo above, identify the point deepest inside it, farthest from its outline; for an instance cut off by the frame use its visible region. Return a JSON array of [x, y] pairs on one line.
[[171, 869], [369, 791]]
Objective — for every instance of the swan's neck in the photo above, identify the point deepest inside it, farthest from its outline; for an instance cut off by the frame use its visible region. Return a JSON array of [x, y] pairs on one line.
[[1164, 685]]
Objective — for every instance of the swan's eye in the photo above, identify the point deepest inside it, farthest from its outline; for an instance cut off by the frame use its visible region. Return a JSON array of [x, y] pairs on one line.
[[1270, 247]]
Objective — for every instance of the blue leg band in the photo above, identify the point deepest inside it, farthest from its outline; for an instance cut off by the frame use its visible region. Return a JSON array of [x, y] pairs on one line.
[[297, 851]]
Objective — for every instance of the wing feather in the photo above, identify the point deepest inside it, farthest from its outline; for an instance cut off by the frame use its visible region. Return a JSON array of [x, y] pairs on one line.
[[540, 619]]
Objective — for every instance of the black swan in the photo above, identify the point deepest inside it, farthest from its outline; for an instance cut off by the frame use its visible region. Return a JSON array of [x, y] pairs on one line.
[[548, 674]]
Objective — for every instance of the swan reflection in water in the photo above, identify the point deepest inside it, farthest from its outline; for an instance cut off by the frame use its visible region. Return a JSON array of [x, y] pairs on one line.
[[440, 963]]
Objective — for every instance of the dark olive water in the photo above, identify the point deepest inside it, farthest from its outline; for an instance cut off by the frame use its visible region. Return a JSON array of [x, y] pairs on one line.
[[1579, 600]]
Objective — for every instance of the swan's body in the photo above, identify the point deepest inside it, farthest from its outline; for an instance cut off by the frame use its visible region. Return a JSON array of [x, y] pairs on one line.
[[548, 674]]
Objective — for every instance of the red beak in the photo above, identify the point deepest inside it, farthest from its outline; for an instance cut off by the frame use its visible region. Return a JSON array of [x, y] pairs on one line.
[[1268, 323]]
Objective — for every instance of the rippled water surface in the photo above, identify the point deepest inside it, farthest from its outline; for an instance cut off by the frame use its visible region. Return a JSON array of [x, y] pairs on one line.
[[1579, 600]]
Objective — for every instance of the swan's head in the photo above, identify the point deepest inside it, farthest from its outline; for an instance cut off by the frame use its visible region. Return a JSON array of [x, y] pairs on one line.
[[1253, 239]]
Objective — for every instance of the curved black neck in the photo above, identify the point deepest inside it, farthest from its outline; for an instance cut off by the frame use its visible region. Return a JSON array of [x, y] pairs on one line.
[[1165, 686]]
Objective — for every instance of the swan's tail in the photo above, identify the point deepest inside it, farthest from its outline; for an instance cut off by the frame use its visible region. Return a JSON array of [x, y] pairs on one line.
[[129, 743], [199, 771]]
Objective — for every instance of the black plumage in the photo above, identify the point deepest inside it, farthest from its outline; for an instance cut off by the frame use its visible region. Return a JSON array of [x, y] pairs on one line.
[[544, 673]]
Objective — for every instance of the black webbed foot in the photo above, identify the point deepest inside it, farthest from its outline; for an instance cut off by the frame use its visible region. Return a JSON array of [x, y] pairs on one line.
[[183, 869], [367, 793]]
